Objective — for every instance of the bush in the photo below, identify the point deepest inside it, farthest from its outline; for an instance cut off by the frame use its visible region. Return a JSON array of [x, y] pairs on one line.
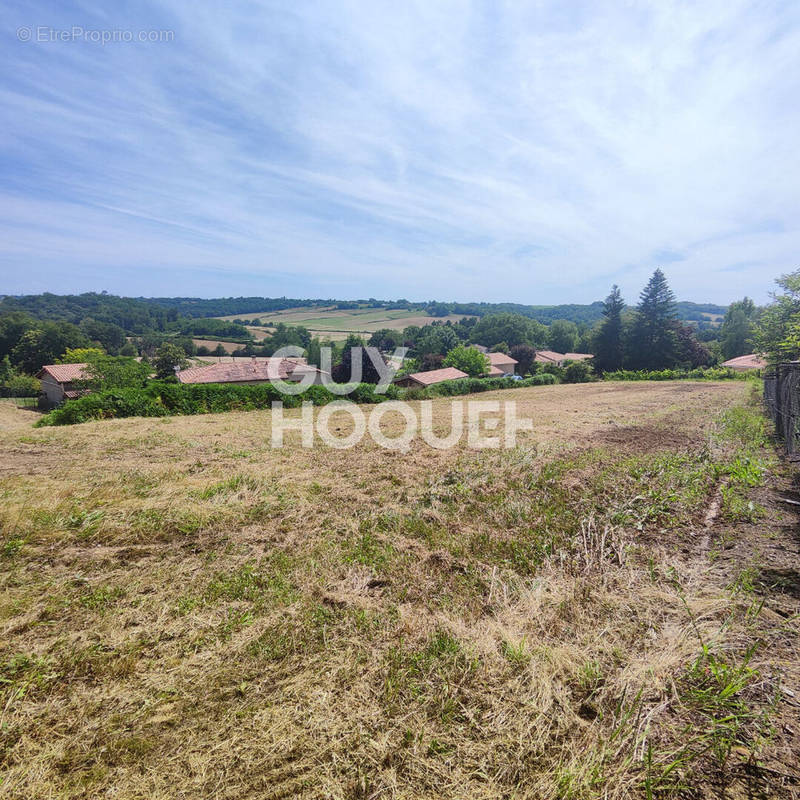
[[578, 372], [475, 385], [701, 373], [164, 398], [20, 385], [105, 405]]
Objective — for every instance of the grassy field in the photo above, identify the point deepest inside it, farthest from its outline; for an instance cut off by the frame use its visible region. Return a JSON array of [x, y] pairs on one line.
[[607, 610], [332, 323]]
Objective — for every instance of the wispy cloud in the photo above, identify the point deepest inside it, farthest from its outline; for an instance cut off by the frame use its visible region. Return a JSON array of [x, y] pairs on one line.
[[531, 152]]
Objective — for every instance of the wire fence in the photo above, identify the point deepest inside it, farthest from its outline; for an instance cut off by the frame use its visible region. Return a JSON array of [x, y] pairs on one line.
[[782, 401], [21, 402]]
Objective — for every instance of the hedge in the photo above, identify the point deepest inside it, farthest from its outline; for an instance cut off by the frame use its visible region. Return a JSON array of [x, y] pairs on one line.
[[473, 385], [163, 399], [702, 373]]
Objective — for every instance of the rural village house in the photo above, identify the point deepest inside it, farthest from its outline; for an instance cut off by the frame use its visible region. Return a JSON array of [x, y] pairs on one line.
[[252, 371], [419, 380], [58, 382], [501, 364], [559, 359]]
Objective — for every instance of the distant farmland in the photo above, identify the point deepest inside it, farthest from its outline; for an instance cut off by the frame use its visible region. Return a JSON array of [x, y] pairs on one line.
[[336, 323]]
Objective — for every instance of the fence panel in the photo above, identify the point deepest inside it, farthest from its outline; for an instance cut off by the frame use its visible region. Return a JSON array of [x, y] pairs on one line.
[[782, 403]]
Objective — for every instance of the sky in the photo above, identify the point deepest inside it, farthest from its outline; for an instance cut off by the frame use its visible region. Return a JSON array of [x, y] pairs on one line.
[[533, 152]]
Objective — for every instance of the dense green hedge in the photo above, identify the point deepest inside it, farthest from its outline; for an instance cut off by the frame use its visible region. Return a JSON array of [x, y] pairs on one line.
[[473, 385], [162, 399], [704, 373]]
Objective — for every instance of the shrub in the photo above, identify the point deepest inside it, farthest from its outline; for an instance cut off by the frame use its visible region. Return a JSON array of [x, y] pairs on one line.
[[578, 372], [701, 373], [164, 398]]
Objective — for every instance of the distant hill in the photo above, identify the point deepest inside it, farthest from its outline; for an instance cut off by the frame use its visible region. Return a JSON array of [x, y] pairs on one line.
[[136, 314]]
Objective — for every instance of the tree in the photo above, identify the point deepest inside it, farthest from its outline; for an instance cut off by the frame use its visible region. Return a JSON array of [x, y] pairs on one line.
[[436, 339], [563, 336], [285, 335], [525, 356], [608, 347], [354, 348], [128, 349], [6, 370], [738, 329], [186, 343], [80, 355], [653, 341], [45, 344], [12, 325], [109, 335], [688, 350], [435, 309], [314, 352], [500, 347], [431, 361], [386, 339], [778, 331], [167, 357], [513, 329], [467, 359], [114, 372]]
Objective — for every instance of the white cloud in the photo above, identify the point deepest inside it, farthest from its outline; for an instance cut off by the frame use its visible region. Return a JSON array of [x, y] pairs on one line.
[[531, 152]]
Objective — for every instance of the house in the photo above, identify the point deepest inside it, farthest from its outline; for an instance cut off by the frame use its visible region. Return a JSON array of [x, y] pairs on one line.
[[577, 356], [58, 382], [251, 371], [549, 357], [742, 363], [559, 359], [480, 348], [500, 364], [419, 380]]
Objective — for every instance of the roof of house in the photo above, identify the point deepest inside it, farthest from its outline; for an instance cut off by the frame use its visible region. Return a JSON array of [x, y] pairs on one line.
[[63, 373], [204, 361], [501, 358], [750, 361], [495, 372], [436, 376], [549, 356], [238, 372], [577, 356]]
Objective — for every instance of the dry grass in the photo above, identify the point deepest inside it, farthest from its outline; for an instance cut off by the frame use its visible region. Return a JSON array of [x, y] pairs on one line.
[[188, 613]]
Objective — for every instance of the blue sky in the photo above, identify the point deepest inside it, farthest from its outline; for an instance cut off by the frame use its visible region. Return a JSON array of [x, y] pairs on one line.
[[532, 152]]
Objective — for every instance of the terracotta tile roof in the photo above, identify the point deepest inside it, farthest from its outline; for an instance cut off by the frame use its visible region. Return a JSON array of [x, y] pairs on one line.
[[577, 356], [63, 373], [204, 361], [501, 358], [495, 372], [548, 356], [71, 394], [437, 375], [751, 361], [238, 372]]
